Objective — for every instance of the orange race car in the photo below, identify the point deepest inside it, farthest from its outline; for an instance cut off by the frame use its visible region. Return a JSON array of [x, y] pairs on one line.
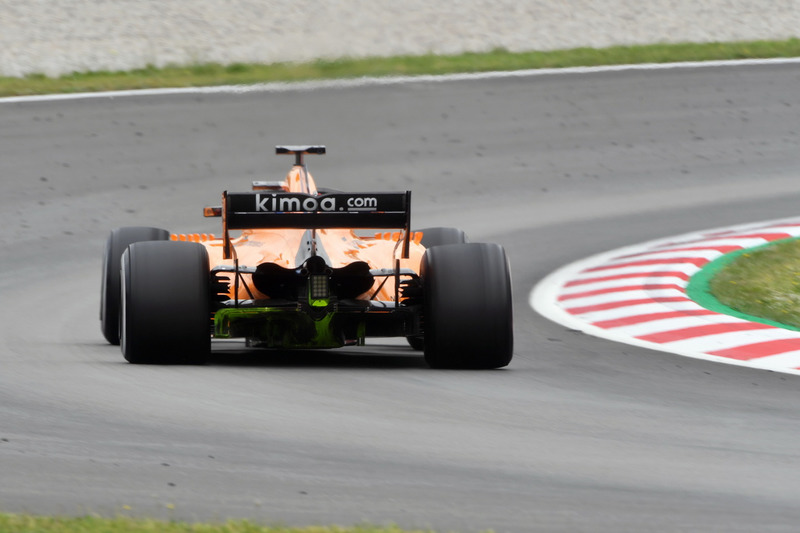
[[302, 274]]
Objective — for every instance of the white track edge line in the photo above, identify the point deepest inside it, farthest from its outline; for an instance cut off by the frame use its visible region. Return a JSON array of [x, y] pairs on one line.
[[280, 87], [542, 299]]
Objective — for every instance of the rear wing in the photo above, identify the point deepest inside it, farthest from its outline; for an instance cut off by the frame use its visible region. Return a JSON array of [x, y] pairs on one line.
[[269, 209]]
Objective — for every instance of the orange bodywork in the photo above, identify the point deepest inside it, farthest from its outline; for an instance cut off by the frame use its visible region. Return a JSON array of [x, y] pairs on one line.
[[340, 247]]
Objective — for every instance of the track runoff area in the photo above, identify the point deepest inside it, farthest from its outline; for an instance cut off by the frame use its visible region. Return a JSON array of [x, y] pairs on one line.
[[650, 295]]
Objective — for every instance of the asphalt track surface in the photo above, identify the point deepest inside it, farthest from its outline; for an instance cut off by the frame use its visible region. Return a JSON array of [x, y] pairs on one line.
[[578, 434]]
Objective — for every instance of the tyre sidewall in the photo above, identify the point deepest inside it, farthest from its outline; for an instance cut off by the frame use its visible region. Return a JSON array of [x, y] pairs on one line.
[[110, 298], [166, 303], [431, 237], [468, 314]]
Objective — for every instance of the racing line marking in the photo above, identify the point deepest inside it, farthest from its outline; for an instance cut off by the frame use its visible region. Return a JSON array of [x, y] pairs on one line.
[[637, 295]]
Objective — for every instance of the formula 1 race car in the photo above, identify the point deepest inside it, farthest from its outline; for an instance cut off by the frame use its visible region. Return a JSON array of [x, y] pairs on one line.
[[302, 275]]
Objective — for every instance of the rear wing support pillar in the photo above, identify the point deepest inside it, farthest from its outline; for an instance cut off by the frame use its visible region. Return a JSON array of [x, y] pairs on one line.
[[407, 229]]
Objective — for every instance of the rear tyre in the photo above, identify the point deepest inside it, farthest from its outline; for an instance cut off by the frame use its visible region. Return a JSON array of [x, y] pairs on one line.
[[166, 297], [117, 242], [436, 237], [440, 236], [468, 317]]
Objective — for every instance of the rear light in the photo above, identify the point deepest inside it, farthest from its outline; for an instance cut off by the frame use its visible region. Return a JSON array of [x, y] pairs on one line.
[[319, 288]]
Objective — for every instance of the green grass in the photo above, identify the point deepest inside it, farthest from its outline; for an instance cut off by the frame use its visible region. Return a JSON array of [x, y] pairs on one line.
[[764, 283], [497, 60], [13, 523]]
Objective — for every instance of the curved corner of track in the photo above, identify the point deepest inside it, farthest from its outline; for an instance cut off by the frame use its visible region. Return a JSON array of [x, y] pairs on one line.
[[638, 295]]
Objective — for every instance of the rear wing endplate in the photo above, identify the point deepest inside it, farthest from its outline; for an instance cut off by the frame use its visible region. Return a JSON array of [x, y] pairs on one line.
[[268, 209]]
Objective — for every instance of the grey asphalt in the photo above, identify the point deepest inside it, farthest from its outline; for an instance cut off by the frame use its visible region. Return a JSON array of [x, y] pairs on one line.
[[577, 434]]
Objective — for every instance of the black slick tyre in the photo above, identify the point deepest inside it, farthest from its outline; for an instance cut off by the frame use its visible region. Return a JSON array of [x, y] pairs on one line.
[[468, 316], [436, 237], [117, 242], [440, 236], [166, 297]]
